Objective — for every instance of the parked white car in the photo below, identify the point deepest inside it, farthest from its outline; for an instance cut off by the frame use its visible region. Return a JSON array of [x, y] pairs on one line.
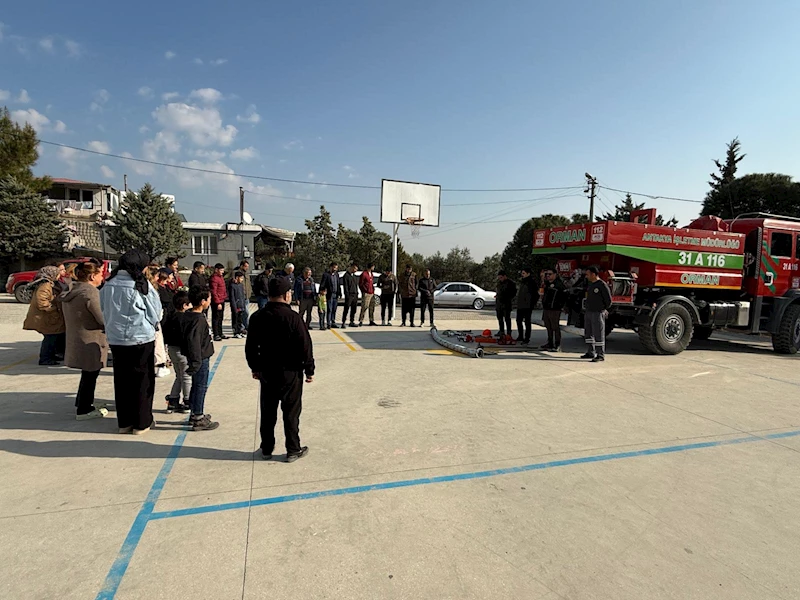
[[462, 294]]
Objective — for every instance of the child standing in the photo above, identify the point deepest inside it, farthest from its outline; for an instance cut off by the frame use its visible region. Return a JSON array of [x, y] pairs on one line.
[[236, 296], [197, 347], [322, 308], [172, 338]]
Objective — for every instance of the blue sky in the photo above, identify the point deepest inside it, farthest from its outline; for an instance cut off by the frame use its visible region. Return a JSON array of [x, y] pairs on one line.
[[466, 94]]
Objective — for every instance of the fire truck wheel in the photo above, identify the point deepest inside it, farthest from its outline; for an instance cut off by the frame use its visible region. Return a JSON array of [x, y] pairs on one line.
[[670, 333], [787, 339], [702, 333]]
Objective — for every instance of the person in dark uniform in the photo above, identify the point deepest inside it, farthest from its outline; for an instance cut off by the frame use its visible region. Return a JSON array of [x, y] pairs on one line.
[[598, 301], [350, 290], [279, 352], [506, 292], [330, 283]]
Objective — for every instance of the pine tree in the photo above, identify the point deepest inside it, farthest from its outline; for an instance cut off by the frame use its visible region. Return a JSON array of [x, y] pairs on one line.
[[727, 172], [145, 220], [29, 228], [622, 212], [18, 153]]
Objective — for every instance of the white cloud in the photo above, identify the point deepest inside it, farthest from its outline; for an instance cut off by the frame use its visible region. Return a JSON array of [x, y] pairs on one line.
[[206, 95], [294, 145], [46, 44], [60, 127], [218, 62], [37, 120], [311, 175], [2, 27], [4, 95], [169, 55], [303, 196], [139, 168], [169, 96], [209, 154], [198, 61], [23, 97], [352, 176], [107, 172], [202, 125], [347, 168], [250, 115], [244, 153], [144, 129], [101, 97], [74, 49], [97, 146], [191, 180], [145, 92], [70, 156], [163, 140]]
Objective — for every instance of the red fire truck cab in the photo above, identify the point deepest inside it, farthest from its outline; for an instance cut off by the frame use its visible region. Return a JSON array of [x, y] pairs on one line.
[[675, 284]]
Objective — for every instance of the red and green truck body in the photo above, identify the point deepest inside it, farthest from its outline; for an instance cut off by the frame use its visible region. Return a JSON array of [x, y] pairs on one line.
[[672, 284]]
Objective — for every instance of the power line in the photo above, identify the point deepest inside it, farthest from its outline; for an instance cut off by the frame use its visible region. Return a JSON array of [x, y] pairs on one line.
[[651, 196], [280, 180]]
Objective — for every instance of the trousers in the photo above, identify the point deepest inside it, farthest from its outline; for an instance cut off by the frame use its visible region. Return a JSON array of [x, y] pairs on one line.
[[237, 323], [504, 318], [134, 384], [284, 388], [306, 306], [350, 304], [197, 397], [425, 303], [552, 322], [217, 316], [367, 303], [84, 401], [595, 332], [408, 305], [524, 323], [333, 304], [183, 381], [386, 307]]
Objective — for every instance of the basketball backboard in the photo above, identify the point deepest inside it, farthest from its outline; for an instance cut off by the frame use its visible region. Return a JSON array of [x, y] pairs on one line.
[[404, 200]]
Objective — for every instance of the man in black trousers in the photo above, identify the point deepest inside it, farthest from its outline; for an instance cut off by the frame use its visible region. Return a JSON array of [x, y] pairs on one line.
[[279, 352]]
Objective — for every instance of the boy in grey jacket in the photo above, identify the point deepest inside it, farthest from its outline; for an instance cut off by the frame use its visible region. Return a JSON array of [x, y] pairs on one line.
[[238, 300]]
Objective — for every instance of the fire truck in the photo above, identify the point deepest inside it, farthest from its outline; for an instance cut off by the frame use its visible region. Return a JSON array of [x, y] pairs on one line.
[[672, 285]]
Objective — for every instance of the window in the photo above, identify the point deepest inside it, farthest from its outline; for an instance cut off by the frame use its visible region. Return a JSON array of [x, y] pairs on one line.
[[87, 200], [459, 287], [781, 244], [74, 195], [204, 244]]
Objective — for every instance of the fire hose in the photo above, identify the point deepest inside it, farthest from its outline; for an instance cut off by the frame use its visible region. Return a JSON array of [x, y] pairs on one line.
[[460, 348]]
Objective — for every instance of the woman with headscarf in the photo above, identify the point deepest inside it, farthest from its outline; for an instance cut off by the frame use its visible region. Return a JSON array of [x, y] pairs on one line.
[[132, 310], [44, 314], [87, 346]]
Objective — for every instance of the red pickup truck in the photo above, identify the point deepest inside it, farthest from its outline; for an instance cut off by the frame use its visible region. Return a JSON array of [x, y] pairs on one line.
[[18, 282]]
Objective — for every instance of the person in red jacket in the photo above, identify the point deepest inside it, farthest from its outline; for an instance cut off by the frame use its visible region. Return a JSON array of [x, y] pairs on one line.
[[219, 295]]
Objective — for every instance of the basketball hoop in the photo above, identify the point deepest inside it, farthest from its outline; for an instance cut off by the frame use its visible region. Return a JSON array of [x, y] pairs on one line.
[[416, 225]]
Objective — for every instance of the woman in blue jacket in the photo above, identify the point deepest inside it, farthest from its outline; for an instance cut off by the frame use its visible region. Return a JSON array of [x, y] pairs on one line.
[[132, 310]]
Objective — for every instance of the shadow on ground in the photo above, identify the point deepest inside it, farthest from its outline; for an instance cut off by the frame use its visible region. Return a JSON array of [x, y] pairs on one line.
[[125, 447]]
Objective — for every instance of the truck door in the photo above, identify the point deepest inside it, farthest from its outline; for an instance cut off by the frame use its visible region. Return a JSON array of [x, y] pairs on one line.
[[777, 269], [752, 262]]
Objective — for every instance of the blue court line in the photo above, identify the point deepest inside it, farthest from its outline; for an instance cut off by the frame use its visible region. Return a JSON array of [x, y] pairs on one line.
[[463, 476], [117, 571]]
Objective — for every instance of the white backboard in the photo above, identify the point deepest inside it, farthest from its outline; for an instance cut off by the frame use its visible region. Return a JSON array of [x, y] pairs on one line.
[[403, 199]]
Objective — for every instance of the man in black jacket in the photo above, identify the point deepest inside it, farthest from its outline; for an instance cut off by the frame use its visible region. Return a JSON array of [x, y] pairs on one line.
[[527, 297], [506, 291], [196, 346], [350, 286], [426, 287], [198, 276], [261, 286], [330, 283], [278, 352], [598, 301], [555, 297]]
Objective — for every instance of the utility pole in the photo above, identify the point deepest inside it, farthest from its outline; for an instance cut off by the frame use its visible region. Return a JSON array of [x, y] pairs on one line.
[[241, 221], [125, 183], [591, 185]]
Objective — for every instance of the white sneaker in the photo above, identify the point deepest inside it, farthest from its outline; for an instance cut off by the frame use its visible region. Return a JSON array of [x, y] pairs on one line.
[[163, 372], [97, 413]]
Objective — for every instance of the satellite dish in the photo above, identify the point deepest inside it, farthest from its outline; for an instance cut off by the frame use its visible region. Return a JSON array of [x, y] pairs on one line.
[[247, 217]]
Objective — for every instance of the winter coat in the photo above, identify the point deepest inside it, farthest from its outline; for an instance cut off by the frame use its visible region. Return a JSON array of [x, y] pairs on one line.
[[387, 285], [298, 289], [261, 285], [506, 290], [236, 294], [219, 291], [555, 295], [598, 296], [366, 282], [197, 279], [166, 294], [527, 293], [196, 342], [130, 317], [248, 286], [350, 284], [330, 283], [87, 346], [427, 285], [407, 285], [44, 312]]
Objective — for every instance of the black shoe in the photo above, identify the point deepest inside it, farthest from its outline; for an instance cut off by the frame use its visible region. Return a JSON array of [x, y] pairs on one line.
[[545, 347], [217, 339], [344, 326], [402, 324], [47, 363], [588, 355], [556, 349], [422, 324], [389, 324], [412, 324], [294, 456], [598, 359], [203, 423], [264, 455], [373, 324], [334, 326], [177, 407], [225, 337], [353, 324]]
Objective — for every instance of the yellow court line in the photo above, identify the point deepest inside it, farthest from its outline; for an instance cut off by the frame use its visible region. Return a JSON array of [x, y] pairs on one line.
[[344, 341], [19, 362]]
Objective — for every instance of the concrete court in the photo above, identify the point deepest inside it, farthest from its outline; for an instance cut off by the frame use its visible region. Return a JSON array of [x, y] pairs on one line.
[[528, 476]]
